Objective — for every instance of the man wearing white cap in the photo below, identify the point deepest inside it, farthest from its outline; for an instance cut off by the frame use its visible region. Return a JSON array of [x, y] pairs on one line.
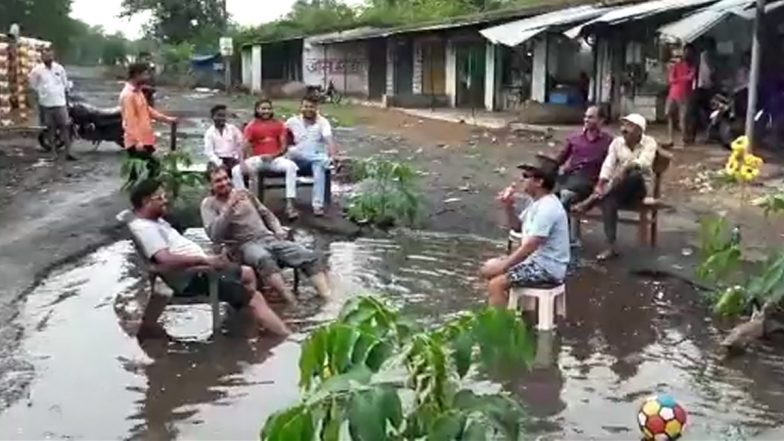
[[626, 178]]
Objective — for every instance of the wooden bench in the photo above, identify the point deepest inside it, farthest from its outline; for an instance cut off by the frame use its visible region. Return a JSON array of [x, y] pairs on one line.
[[647, 215], [268, 179]]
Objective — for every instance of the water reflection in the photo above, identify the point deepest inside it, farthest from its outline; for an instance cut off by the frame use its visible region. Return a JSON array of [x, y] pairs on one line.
[[624, 339]]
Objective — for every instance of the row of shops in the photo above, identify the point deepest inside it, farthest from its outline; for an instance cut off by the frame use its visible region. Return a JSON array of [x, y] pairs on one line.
[[544, 62]]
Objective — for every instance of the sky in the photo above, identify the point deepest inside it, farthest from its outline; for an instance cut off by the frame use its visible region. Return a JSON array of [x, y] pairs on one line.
[[244, 12]]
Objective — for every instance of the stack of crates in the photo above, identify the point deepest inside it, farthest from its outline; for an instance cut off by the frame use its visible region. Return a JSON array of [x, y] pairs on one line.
[[18, 56]]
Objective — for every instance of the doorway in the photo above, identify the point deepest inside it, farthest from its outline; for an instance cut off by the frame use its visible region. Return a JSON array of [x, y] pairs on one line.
[[404, 67], [470, 59]]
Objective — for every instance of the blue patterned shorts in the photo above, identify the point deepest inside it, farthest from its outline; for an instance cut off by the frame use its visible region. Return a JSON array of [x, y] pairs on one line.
[[529, 274]]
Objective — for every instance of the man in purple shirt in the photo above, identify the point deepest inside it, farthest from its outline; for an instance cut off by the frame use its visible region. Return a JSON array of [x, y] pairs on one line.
[[581, 160]]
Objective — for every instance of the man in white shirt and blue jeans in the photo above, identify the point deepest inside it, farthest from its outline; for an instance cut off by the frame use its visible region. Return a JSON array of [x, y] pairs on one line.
[[543, 254], [313, 147], [50, 83]]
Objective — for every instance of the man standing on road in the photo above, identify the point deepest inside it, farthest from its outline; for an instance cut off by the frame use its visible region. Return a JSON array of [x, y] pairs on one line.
[[185, 266], [679, 97], [544, 253], [137, 117], [314, 147], [235, 218], [50, 83], [267, 144]]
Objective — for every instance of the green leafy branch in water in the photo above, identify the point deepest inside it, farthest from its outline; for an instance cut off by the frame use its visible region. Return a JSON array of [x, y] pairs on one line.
[[172, 173], [372, 376], [721, 263], [389, 193]]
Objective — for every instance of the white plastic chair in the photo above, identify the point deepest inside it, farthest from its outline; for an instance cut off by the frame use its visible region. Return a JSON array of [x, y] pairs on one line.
[[551, 299]]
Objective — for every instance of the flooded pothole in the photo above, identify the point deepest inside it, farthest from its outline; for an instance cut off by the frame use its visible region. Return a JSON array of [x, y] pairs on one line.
[[83, 376]]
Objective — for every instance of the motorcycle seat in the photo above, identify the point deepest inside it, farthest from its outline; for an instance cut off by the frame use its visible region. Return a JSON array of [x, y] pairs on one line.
[[99, 111]]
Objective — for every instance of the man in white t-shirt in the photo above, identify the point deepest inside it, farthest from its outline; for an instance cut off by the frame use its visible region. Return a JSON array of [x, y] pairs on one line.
[[223, 142], [543, 254], [50, 83], [313, 147], [184, 265]]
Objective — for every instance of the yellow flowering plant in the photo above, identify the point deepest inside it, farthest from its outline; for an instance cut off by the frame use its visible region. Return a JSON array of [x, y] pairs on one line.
[[742, 165]]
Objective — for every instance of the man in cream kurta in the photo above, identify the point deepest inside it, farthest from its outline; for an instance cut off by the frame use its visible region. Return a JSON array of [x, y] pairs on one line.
[[626, 177]]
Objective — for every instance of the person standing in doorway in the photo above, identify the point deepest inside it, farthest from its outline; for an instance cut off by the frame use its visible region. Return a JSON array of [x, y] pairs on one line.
[[267, 143], [681, 81], [50, 83], [137, 117], [706, 86], [223, 142], [313, 147]]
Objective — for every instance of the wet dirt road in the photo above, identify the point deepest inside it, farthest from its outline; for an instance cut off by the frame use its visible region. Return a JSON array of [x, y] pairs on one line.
[[625, 339]]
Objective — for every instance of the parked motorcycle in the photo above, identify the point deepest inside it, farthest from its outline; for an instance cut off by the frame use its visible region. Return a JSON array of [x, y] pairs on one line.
[[331, 95], [89, 123], [727, 120], [725, 124]]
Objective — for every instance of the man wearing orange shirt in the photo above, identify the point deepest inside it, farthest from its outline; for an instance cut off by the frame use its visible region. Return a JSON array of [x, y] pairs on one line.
[[137, 117]]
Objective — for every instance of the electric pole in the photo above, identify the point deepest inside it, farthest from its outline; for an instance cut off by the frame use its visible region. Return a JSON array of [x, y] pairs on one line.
[[754, 74]]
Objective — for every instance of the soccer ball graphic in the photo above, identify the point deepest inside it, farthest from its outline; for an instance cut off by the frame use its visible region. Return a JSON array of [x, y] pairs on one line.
[[661, 419]]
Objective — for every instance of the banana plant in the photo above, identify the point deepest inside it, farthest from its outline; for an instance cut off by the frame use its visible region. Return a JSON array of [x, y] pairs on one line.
[[373, 376]]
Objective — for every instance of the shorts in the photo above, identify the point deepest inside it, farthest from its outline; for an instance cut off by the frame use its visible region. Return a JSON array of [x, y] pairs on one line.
[[230, 287], [54, 117], [267, 256], [676, 108], [530, 275]]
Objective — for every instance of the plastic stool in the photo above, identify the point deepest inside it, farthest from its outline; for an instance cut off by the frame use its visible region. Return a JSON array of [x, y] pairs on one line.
[[551, 301]]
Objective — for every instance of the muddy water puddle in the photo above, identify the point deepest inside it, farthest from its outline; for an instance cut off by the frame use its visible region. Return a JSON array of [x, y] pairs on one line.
[[83, 376]]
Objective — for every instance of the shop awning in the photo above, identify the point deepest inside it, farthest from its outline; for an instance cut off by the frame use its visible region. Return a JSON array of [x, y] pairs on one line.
[[750, 12], [637, 12], [694, 25], [518, 32]]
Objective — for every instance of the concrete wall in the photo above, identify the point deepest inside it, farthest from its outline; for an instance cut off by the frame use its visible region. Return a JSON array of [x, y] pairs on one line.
[[539, 74], [390, 67], [345, 64], [255, 83], [246, 63]]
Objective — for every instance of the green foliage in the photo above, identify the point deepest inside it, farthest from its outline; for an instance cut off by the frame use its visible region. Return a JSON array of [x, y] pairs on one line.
[[44, 19], [772, 203], [721, 263], [389, 193], [198, 22], [172, 173], [719, 255], [372, 376], [176, 57]]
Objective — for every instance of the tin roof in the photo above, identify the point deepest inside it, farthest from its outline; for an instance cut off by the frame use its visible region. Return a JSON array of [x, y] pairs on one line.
[[517, 32]]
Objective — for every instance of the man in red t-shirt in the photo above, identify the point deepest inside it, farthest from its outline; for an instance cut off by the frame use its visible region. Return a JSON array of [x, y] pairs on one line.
[[681, 81], [267, 143]]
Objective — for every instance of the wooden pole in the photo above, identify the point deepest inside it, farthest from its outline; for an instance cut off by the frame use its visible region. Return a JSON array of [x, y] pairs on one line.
[[756, 56]]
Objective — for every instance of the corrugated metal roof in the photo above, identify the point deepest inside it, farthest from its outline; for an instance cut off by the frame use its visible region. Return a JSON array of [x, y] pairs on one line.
[[692, 26], [350, 34], [517, 32], [535, 7], [637, 12], [750, 13]]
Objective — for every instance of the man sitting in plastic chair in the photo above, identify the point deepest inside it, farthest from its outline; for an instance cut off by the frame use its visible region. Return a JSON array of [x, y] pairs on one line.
[[185, 267], [543, 255]]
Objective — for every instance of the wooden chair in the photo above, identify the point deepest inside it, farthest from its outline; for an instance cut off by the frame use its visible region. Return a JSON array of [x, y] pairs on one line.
[[647, 219]]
